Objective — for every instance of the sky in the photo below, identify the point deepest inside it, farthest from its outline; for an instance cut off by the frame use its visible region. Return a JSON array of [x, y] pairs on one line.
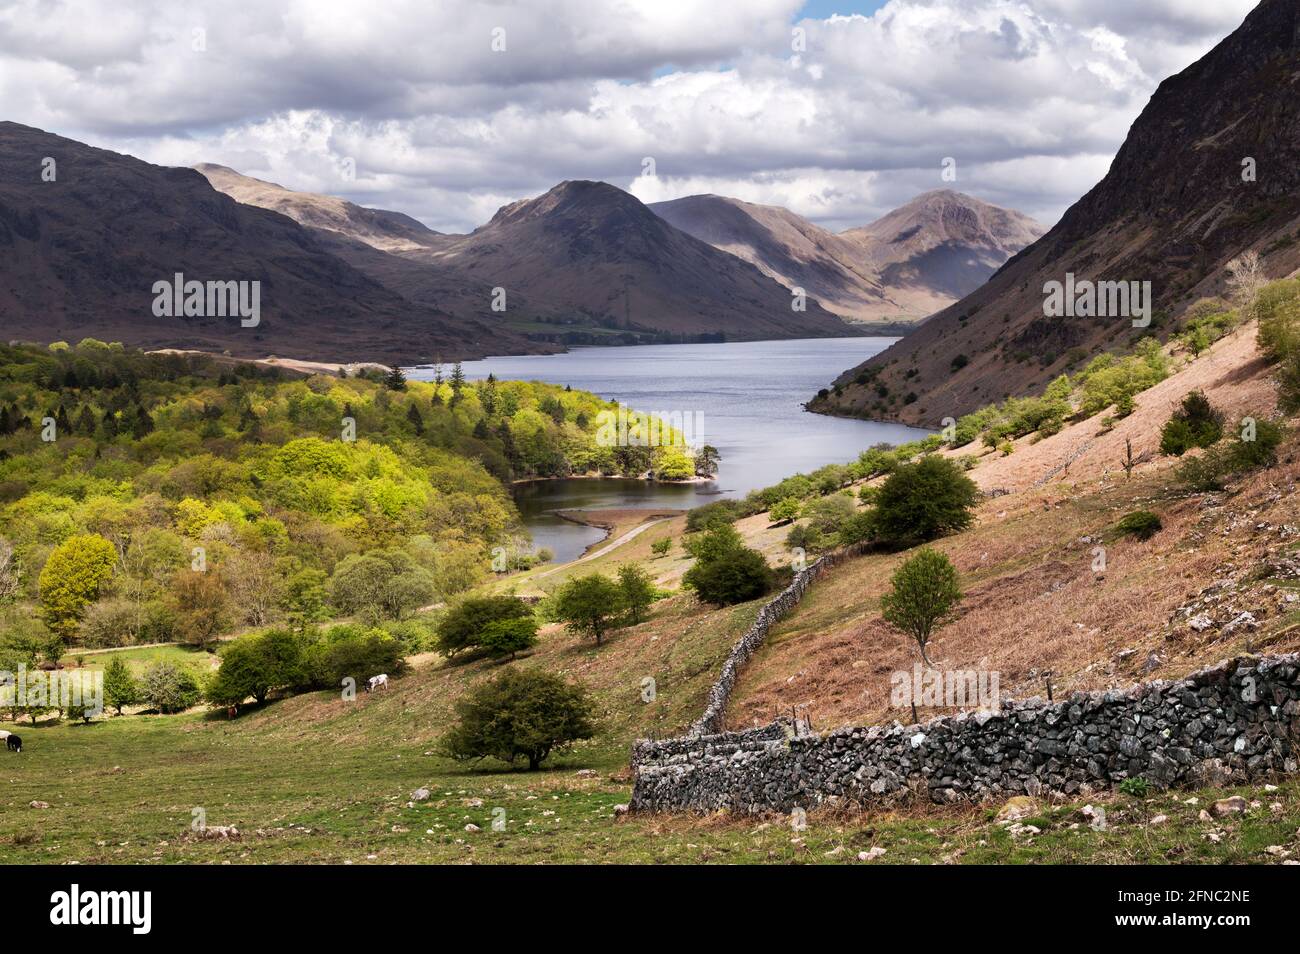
[[839, 111]]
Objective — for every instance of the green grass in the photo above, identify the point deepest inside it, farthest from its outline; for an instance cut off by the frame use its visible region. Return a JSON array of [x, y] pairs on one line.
[[124, 791], [142, 657]]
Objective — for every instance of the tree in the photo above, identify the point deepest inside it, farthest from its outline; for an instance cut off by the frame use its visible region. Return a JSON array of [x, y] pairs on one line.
[[466, 623], [120, 688], [395, 380], [256, 664], [201, 606], [380, 584], [506, 637], [1245, 279], [349, 651], [706, 461], [638, 591], [169, 688], [923, 594], [718, 539], [589, 604], [10, 574], [784, 510], [71, 580], [735, 576], [921, 501], [521, 714]]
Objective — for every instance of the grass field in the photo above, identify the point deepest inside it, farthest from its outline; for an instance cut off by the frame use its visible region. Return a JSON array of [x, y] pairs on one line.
[[125, 790]]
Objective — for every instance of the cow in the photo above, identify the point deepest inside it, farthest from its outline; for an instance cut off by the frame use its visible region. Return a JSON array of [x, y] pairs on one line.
[[377, 682], [13, 743]]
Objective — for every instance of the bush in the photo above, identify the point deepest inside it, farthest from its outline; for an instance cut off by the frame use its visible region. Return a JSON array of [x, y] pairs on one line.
[[637, 591], [1142, 524], [804, 537], [785, 510], [380, 584], [169, 688], [713, 514], [256, 664], [708, 545], [464, 624], [924, 500], [506, 637], [827, 515], [351, 652], [661, 547], [1195, 424], [734, 576], [1255, 446], [521, 714]]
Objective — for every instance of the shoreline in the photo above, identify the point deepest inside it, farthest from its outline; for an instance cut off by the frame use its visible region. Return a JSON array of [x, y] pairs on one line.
[[645, 480], [611, 526]]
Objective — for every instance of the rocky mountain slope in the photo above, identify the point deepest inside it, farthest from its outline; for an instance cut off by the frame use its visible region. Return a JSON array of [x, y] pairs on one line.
[[908, 264], [590, 251], [80, 254], [1210, 168]]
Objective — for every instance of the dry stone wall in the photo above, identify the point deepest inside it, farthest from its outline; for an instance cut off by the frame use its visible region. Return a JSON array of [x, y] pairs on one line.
[[720, 693], [1235, 722]]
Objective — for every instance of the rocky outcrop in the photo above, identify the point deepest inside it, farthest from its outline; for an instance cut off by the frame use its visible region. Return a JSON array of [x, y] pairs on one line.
[[1235, 722]]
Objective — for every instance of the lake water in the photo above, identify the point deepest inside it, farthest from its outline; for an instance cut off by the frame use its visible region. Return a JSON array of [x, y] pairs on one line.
[[744, 398]]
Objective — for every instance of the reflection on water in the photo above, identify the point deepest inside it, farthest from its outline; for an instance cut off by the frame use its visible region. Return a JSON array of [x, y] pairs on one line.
[[749, 396]]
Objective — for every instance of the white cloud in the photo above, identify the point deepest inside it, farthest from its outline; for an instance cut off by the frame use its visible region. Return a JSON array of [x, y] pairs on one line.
[[1031, 97]]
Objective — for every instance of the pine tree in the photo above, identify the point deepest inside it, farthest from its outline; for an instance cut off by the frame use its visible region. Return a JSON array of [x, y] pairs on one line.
[[413, 415], [86, 422], [395, 380]]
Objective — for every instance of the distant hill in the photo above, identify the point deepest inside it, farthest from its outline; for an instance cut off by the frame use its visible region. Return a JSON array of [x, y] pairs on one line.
[[592, 249], [913, 261], [79, 257], [388, 231], [1173, 209]]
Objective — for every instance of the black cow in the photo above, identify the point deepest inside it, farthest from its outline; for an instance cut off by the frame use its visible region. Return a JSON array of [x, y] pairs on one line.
[[14, 743]]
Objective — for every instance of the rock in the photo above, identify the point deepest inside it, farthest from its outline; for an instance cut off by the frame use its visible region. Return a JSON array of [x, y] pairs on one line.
[[472, 828], [37, 804], [837, 850], [420, 795], [871, 854], [585, 773], [218, 833], [1229, 806], [1016, 808], [1204, 816], [1200, 622], [621, 809], [1159, 819]]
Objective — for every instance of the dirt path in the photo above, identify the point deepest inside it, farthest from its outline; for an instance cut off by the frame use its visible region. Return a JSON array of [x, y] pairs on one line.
[[606, 548]]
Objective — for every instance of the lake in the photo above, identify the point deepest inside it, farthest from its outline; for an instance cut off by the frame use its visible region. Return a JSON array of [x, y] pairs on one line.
[[744, 398]]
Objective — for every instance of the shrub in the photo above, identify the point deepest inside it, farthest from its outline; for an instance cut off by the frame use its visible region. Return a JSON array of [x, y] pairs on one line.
[[1195, 424], [803, 537], [1255, 446], [785, 510], [924, 591], [827, 515], [713, 514], [521, 714], [169, 688], [734, 576], [706, 546], [1142, 524], [506, 637], [256, 664], [380, 584], [1135, 787], [351, 652], [464, 624], [924, 500], [661, 547]]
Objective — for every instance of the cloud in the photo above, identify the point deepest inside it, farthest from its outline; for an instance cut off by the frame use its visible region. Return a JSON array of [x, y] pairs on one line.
[[1031, 97]]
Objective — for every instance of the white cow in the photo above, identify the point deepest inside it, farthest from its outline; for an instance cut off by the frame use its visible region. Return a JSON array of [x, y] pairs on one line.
[[377, 682]]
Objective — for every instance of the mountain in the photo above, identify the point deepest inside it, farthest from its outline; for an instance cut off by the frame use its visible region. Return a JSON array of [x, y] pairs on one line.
[[588, 252], [80, 256], [387, 231], [913, 261], [1177, 204]]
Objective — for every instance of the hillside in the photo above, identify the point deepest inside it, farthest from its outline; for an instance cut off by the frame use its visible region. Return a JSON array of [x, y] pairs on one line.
[[80, 255], [908, 264], [1173, 209], [381, 229]]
